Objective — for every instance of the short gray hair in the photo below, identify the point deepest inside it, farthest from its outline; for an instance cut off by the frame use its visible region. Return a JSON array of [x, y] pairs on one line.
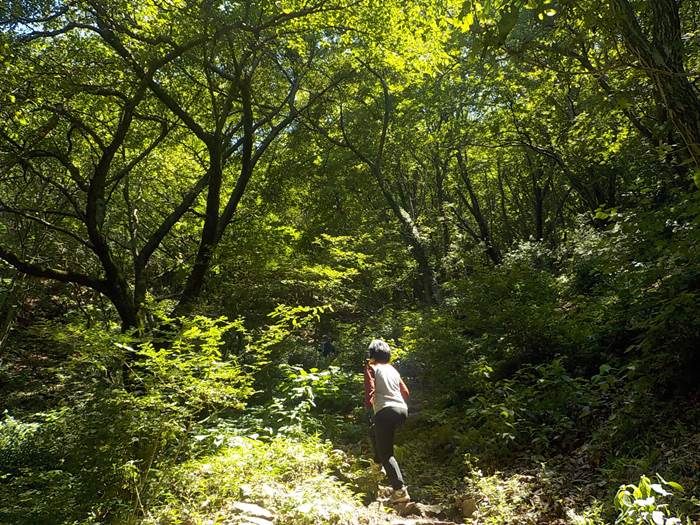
[[379, 351]]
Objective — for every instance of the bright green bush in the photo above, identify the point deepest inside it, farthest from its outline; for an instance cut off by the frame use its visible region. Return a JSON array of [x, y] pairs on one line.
[[502, 500], [291, 477], [102, 451], [641, 504]]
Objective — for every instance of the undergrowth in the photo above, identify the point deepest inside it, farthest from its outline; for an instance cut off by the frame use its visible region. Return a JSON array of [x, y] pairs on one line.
[[540, 386], [293, 478]]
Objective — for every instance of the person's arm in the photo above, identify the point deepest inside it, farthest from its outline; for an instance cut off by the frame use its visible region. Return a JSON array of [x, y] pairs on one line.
[[369, 386], [404, 390]]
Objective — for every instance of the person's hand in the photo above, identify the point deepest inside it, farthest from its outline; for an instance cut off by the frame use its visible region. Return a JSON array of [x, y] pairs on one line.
[[369, 414]]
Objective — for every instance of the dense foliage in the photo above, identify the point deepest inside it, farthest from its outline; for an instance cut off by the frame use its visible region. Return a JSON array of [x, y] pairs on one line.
[[208, 209]]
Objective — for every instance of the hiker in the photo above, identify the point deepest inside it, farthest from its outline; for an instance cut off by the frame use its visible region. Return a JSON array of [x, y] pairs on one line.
[[385, 397], [327, 348]]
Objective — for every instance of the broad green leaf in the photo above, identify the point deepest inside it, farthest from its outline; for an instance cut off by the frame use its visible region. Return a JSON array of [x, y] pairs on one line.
[[675, 485]]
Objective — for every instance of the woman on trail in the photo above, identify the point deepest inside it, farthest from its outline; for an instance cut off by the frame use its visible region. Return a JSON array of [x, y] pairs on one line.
[[386, 395]]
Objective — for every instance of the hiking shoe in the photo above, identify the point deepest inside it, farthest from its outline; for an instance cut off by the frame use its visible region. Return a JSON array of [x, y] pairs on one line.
[[400, 496]]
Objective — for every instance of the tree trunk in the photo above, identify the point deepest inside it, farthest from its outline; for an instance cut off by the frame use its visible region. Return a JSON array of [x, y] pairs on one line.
[[208, 238], [414, 239], [539, 213], [8, 310], [505, 219], [662, 59], [475, 208], [127, 310]]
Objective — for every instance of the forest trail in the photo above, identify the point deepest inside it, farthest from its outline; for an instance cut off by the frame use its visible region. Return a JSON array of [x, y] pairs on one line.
[[378, 512], [410, 512]]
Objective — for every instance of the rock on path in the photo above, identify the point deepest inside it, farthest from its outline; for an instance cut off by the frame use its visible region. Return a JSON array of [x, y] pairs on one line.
[[251, 514]]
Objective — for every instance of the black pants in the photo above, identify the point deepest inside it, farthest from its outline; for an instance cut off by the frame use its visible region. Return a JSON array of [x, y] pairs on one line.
[[386, 421]]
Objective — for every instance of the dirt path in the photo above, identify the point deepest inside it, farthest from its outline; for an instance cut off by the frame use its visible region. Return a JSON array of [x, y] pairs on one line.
[[411, 512], [379, 512]]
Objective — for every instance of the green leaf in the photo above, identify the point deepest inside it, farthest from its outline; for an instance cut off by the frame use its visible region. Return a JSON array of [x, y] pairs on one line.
[[675, 485]]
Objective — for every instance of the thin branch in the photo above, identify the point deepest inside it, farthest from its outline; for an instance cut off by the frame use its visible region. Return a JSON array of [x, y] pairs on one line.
[[52, 273], [34, 35], [164, 130], [386, 115], [157, 237], [21, 213]]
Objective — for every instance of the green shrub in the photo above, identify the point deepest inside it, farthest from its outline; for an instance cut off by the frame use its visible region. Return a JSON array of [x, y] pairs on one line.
[[102, 452], [291, 477], [540, 408], [641, 504]]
